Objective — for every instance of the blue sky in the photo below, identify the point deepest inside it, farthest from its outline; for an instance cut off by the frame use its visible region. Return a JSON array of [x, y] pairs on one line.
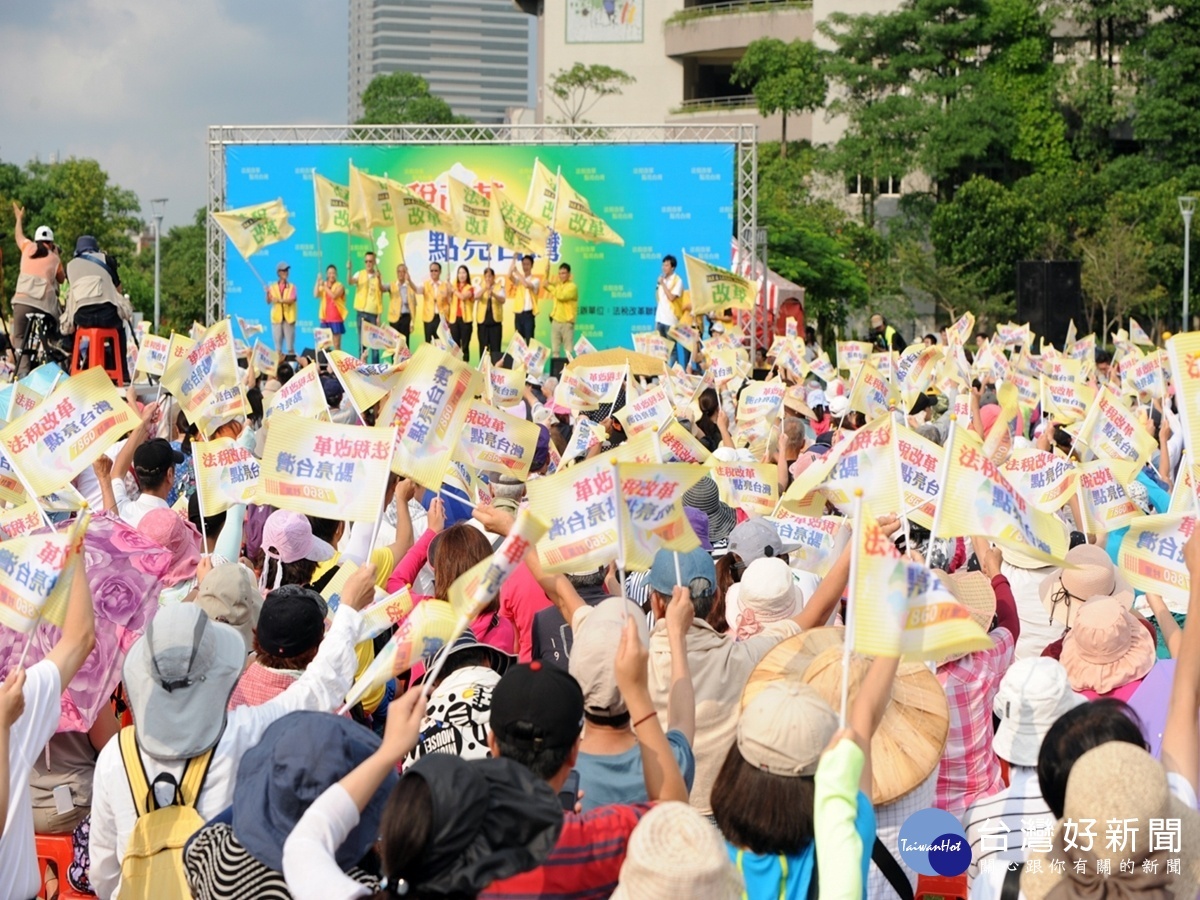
[[136, 83]]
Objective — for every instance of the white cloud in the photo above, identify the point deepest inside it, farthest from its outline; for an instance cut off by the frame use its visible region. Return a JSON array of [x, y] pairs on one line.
[[136, 83]]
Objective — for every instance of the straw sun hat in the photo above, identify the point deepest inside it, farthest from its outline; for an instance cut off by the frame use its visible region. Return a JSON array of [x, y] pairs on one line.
[[912, 735], [675, 852], [1123, 782]]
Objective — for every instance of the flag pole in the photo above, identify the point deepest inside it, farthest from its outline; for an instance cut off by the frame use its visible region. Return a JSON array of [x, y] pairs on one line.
[[620, 531], [200, 503], [384, 503], [848, 639], [942, 476], [659, 458]]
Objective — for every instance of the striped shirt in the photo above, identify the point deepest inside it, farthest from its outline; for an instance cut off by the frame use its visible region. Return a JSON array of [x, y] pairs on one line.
[[584, 864], [1005, 825]]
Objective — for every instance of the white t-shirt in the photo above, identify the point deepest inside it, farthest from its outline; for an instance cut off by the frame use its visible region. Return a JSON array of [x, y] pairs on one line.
[[19, 876], [1037, 631], [669, 290]]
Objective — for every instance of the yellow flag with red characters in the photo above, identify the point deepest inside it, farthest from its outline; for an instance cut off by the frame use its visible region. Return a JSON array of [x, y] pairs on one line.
[[472, 591], [35, 575], [426, 630], [976, 499], [322, 469], [653, 516], [65, 433], [902, 609], [226, 474], [428, 405]]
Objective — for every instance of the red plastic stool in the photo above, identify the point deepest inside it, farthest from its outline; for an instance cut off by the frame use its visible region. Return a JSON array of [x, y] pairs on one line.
[[60, 850], [99, 339], [937, 887]]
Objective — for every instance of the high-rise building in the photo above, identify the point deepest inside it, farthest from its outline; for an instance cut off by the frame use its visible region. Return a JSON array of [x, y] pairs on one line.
[[477, 55]]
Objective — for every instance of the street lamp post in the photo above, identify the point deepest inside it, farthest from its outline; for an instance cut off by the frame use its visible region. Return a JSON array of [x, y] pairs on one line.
[[158, 205], [1187, 205]]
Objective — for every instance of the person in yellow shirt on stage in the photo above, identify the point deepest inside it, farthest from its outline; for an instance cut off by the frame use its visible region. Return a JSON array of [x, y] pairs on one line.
[[369, 288], [490, 315], [523, 288], [562, 317], [435, 297], [332, 309], [462, 310], [281, 297]]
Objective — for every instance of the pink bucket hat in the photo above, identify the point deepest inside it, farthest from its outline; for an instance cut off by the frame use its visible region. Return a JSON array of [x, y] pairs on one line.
[[287, 537], [173, 532], [1106, 648]]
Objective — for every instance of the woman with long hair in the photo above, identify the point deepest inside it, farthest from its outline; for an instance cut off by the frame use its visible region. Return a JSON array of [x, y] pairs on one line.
[[462, 310]]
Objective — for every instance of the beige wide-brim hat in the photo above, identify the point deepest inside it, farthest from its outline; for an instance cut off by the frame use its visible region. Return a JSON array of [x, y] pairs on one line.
[[908, 746], [1089, 573], [974, 591], [1120, 781]]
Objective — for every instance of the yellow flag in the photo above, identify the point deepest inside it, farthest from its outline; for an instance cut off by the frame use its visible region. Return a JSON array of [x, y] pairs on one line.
[[370, 202], [539, 203], [504, 387], [1113, 431], [322, 469], [960, 332], [251, 228], [750, 487], [873, 395], [1138, 335], [470, 211], [1068, 396], [714, 288], [494, 441], [1151, 554], [364, 390], [226, 474], [580, 505], [1183, 350], [513, 227], [63, 435], [21, 519], [852, 354], [36, 573], [472, 591], [653, 516], [920, 468], [178, 348], [428, 404], [380, 337], [385, 612], [207, 381], [573, 217], [333, 204], [1047, 479], [302, 395], [1106, 504], [977, 499], [152, 355], [11, 490], [902, 609], [649, 412], [411, 212], [865, 461], [429, 627], [264, 360]]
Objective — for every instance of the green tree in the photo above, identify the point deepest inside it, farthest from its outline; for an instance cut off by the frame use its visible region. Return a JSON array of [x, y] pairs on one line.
[[1116, 277], [1165, 61], [576, 90], [985, 231], [785, 78], [402, 98], [184, 250]]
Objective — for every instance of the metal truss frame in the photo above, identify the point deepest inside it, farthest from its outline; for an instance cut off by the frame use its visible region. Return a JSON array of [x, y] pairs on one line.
[[744, 138]]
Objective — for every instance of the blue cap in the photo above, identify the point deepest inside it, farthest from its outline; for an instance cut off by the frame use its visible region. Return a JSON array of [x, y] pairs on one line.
[[693, 564]]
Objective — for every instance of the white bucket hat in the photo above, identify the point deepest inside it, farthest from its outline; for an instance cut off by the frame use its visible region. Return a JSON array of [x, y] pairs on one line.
[[1033, 694]]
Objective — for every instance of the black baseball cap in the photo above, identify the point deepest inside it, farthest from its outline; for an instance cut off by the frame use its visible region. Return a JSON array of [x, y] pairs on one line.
[[155, 457], [537, 707], [292, 621]]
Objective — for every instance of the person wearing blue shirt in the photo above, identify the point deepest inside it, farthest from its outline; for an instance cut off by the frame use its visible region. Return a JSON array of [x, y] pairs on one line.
[[763, 798]]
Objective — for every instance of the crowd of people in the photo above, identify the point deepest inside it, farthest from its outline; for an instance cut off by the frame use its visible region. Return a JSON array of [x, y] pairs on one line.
[[696, 729]]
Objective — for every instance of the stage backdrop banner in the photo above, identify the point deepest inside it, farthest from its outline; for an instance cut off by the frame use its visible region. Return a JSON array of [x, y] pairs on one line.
[[660, 198]]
